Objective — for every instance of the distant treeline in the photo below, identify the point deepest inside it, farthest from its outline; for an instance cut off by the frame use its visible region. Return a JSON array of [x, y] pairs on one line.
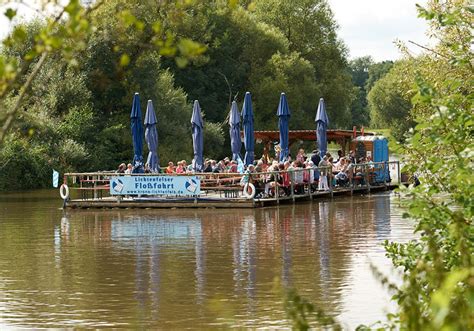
[[76, 116]]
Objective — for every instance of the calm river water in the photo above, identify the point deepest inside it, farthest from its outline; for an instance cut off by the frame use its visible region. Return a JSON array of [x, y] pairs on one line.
[[174, 269]]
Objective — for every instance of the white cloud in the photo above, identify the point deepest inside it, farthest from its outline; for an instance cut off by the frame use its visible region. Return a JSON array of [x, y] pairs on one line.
[[370, 27]]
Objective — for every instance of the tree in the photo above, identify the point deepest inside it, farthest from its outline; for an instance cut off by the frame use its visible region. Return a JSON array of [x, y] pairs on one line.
[[76, 115], [66, 34], [365, 73], [438, 278], [359, 68], [310, 30], [390, 100], [437, 288], [238, 46], [294, 76], [70, 78], [377, 71]]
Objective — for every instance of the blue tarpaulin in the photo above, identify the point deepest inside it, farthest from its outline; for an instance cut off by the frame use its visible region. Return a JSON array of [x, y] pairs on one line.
[[284, 114], [137, 134], [234, 132], [249, 141], [151, 138], [198, 143], [322, 123]]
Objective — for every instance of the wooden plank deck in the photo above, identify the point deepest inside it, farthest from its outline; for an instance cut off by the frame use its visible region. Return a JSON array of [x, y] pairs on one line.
[[216, 200]]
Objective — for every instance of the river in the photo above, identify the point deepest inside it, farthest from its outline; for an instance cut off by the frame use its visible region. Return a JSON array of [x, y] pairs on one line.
[[206, 268]]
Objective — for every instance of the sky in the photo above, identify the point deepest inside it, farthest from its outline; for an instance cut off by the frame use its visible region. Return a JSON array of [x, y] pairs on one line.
[[368, 27]]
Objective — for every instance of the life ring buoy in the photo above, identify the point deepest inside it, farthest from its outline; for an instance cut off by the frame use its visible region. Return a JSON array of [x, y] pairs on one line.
[[64, 191], [245, 192]]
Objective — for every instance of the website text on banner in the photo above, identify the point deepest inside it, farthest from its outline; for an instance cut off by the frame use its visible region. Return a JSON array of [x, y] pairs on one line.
[[155, 185]]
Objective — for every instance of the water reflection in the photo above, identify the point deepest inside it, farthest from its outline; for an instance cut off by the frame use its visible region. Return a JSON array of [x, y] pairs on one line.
[[188, 268]]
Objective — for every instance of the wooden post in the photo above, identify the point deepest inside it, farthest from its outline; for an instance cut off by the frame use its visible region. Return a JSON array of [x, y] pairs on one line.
[[399, 173], [277, 189], [329, 177], [367, 178], [95, 186], [292, 178], [352, 181]]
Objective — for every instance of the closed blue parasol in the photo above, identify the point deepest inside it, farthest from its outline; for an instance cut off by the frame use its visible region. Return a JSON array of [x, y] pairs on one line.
[[137, 134], [151, 138], [322, 123], [234, 132], [249, 141], [284, 114], [198, 144]]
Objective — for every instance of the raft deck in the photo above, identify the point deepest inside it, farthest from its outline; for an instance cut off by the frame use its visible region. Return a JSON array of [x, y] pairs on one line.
[[220, 190], [217, 201]]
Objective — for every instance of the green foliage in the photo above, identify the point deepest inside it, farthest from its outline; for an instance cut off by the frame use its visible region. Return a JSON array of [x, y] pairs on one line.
[[174, 115], [66, 34], [239, 46], [365, 73], [79, 115], [23, 165], [310, 30], [377, 71], [66, 82], [77, 124], [290, 74], [213, 140], [252, 51], [438, 281], [360, 68], [304, 316], [390, 99], [360, 73], [297, 310]]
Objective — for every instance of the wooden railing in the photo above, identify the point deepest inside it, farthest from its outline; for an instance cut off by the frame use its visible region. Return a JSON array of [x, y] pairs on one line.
[[96, 185]]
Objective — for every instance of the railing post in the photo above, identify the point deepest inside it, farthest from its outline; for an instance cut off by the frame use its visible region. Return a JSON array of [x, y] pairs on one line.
[[367, 177], [352, 179], [276, 188], [95, 186], [399, 174], [329, 179], [292, 184]]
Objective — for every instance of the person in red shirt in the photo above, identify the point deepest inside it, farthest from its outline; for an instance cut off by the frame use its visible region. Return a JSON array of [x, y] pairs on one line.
[[170, 168]]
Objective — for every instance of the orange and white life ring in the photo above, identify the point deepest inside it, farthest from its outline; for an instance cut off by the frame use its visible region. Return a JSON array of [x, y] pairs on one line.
[[245, 192], [64, 191]]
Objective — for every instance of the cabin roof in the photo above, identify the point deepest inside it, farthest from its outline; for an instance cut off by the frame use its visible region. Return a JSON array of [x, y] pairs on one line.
[[308, 135]]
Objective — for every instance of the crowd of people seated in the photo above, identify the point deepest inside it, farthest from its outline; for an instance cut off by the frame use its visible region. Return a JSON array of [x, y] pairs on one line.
[[210, 166], [315, 172]]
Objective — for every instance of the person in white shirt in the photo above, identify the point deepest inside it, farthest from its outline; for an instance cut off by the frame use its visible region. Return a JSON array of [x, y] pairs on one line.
[[323, 178]]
